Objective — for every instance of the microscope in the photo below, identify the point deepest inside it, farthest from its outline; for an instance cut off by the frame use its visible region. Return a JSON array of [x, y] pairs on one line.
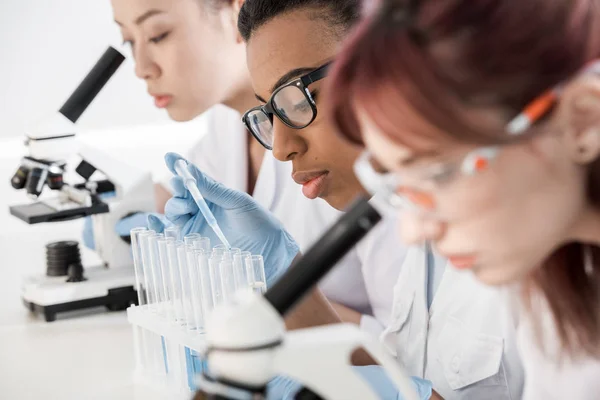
[[101, 187], [247, 345]]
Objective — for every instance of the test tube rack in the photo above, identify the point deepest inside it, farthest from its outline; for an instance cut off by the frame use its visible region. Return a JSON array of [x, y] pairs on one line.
[[179, 283]]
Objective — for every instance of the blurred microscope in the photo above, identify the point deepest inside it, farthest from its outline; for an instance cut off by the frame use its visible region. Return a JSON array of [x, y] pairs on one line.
[[104, 188]]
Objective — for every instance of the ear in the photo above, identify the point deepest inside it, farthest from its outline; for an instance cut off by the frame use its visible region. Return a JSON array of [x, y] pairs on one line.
[[237, 5], [579, 115], [232, 19]]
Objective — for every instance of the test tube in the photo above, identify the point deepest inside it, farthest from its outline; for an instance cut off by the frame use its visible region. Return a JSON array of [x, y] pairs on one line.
[[185, 284], [175, 281], [139, 334], [137, 264], [239, 270], [175, 362], [255, 268], [156, 271], [163, 256], [205, 283], [191, 275], [191, 238], [215, 279], [173, 231], [155, 343], [227, 279], [145, 247], [185, 255], [202, 243], [194, 283], [154, 282], [220, 249]]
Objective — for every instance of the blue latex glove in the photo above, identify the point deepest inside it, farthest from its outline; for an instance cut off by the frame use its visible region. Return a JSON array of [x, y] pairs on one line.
[[137, 220], [122, 228], [386, 389], [245, 224], [283, 388], [87, 235]]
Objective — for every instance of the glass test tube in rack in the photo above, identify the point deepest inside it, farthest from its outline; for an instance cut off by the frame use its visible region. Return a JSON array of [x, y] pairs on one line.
[[179, 282]]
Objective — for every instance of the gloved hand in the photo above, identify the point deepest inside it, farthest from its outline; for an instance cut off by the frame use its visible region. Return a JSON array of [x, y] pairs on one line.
[[137, 220], [245, 224], [386, 389], [283, 388], [122, 228]]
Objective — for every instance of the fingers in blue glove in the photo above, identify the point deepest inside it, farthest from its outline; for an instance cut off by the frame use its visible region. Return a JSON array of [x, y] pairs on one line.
[[157, 223], [385, 388], [125, 225], [171, 159], [180, 211], [282, 388], [179, 189], [211, 190]]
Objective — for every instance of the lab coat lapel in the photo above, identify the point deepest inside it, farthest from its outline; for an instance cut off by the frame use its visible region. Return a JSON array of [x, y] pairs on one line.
[[407, 334], [417, 346]]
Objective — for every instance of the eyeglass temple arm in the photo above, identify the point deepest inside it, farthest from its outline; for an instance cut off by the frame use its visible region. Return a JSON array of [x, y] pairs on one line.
[[316, 75]]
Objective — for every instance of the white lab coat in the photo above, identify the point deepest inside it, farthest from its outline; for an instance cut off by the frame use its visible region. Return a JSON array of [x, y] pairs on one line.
[[222, 154], [465, 343], [547, 376], [383, 280], [381, 257]]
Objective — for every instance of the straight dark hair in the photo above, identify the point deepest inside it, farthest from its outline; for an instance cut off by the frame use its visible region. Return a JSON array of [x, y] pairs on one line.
[[256, 13]]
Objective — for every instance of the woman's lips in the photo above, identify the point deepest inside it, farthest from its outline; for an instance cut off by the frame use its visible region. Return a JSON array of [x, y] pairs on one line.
[[312, 183], [162, 101], [466, 261]]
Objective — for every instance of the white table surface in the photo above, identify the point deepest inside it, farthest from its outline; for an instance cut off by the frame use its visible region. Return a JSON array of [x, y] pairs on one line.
[[83, 355]]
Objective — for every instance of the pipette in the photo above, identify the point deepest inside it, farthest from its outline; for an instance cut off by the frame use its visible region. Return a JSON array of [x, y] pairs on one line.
[[190, 183]]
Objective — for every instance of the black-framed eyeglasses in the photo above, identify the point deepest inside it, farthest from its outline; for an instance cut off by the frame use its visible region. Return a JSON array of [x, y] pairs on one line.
[[292, 103]]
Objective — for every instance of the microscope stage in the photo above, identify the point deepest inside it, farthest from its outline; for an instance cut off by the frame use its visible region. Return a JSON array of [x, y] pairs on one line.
[[112, 288], [54, 210]]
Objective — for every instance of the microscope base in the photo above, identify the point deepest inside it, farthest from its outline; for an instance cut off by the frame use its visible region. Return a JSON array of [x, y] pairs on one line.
[[111, 288]]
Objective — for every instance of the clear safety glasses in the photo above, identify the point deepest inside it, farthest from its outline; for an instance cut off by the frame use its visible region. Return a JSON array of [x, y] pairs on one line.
[[292, 103], [399, 193]]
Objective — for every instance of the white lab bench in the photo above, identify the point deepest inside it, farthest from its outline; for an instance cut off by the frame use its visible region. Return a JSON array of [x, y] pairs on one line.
[[83, 355]]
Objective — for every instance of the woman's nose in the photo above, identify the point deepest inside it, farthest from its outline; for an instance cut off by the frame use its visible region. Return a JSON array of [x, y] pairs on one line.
[[145, 67], [287, 142], [417, 227]]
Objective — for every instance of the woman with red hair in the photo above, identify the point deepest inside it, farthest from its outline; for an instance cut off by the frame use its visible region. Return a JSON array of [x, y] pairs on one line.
[[482, 123]]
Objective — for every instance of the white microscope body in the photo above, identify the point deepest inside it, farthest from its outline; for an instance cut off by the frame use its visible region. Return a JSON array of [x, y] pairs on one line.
[[52, 146], [110, 284], [247, 343]]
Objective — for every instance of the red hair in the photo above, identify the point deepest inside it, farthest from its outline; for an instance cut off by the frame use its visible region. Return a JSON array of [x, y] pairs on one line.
[[438, 63]]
